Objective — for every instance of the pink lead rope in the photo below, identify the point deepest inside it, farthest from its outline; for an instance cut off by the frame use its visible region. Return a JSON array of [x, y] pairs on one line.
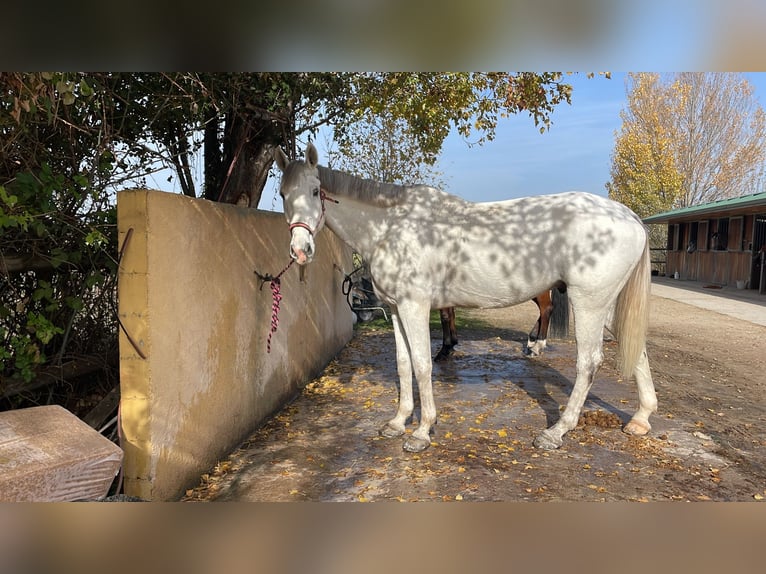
[[276, 297]]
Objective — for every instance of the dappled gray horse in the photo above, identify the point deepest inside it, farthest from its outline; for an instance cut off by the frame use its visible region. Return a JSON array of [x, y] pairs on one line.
[[429, 249]]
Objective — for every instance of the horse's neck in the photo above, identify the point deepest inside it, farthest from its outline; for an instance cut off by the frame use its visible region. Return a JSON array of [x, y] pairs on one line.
[[360, 224]]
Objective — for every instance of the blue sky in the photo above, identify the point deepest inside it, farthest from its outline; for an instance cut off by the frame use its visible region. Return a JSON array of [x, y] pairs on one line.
[[573, 154]]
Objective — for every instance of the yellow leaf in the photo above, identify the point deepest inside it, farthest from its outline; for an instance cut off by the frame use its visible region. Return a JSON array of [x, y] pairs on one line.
[[459, 497], [758, 496], [361, 498], [502, 433]]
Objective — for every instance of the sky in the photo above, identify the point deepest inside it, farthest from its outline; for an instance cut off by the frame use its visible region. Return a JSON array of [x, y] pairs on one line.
[[574, 154]]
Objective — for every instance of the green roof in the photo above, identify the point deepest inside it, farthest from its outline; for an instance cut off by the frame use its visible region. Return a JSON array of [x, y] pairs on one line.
[[754, 200]]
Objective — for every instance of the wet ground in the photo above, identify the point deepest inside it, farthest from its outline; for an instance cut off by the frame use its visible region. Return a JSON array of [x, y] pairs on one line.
[[492, 401]]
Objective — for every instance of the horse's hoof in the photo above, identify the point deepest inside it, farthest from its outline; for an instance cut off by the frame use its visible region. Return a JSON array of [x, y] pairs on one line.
[[389, 431], [637, 428], [534, 349], [415, 444], [443, 354], [547, 442]]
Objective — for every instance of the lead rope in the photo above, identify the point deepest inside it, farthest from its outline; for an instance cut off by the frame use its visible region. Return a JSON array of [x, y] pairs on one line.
[[276, 297]]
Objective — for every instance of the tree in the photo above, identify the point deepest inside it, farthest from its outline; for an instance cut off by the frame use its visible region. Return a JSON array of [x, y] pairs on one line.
[[645, 175], [687, 139], [722, 131], [384, 149]]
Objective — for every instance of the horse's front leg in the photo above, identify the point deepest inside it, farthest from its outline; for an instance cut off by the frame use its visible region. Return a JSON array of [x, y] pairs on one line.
[[413, 318], [395, 427]]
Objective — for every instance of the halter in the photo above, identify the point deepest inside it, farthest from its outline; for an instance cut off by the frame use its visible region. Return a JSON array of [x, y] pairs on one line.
[[322, 196]]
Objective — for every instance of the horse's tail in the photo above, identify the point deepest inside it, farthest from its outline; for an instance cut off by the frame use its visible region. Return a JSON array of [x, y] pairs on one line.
[[631, 317], [559, 321]]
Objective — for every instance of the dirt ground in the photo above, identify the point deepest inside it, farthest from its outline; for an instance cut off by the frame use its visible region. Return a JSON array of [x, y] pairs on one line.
[[707, 442]]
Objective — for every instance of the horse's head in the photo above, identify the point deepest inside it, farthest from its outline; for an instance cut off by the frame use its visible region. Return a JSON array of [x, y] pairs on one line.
[[303, 201]]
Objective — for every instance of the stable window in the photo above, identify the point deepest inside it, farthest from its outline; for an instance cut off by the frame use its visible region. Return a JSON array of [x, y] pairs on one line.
[[691, 247], [759, 232], [720, 237], [671, 236], [735, 238]]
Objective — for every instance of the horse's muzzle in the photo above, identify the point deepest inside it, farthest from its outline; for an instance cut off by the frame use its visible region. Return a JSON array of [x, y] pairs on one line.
[[301, 256], [302, 246]]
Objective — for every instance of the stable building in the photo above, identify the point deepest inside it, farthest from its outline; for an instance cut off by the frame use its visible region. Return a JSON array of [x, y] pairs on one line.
[[717, 242]]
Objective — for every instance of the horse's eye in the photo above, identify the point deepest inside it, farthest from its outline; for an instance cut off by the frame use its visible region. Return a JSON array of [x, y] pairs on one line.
[[316, 192]]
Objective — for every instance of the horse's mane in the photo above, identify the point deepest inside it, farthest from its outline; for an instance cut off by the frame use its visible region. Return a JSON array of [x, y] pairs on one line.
[[366, 190]]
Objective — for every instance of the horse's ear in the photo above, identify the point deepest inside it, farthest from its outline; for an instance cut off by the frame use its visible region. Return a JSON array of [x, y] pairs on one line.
[[312, 156], [280, 158]]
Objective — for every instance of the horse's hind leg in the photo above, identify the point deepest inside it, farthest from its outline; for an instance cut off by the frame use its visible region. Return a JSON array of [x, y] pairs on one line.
[[589, 326], [395, 427], [647, 398]]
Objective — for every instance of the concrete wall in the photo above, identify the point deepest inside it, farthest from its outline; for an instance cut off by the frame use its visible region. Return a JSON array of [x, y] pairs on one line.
[[198, 379]]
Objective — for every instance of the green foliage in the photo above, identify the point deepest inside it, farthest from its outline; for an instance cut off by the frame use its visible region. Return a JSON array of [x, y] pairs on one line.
[[57, 223], [58, 254], [433, 103]]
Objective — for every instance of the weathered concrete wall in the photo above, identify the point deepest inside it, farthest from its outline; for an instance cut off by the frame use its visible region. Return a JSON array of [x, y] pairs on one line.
[[196, 378]]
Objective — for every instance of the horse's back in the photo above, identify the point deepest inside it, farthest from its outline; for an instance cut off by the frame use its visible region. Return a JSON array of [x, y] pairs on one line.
[[495, 254]]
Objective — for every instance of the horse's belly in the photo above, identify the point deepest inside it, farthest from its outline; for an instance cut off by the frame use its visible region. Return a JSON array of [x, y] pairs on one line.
[[489, 288]]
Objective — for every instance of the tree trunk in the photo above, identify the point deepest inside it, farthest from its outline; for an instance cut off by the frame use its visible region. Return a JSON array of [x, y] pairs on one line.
[[214, 170], [247, 158]]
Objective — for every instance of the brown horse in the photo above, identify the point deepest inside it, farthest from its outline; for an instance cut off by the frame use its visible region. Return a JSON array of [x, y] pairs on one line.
[[554, 313]]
